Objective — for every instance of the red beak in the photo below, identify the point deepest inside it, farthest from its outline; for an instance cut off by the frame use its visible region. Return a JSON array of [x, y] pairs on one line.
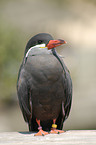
[[55, 43]]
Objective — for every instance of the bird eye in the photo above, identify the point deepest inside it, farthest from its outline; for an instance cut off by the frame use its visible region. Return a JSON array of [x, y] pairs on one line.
[[40, 41]]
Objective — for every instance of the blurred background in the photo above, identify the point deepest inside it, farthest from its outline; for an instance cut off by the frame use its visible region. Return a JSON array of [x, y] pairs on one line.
[[73, 21]]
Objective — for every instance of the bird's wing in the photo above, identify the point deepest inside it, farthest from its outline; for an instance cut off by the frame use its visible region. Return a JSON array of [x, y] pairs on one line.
[[67, 87], [24, 97], [67, 92], [67, 84]]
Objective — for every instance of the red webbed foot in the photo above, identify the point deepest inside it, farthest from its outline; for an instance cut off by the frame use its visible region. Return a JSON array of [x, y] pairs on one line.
[[41, 133], [56, 131]]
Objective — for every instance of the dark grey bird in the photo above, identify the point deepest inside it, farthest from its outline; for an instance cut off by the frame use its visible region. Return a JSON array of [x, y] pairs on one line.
[[44, 85]]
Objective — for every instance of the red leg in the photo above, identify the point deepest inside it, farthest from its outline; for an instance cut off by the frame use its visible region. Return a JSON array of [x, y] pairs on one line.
[[54, 130], [41, 132]]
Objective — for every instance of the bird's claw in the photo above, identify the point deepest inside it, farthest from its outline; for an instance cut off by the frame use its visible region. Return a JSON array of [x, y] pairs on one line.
[[56, 131], [41, 133]]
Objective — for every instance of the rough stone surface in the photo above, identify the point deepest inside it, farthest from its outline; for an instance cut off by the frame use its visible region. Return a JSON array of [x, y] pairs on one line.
[[78, 137]]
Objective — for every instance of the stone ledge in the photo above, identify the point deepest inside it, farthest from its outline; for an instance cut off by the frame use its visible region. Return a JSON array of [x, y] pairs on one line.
[[72, 137]]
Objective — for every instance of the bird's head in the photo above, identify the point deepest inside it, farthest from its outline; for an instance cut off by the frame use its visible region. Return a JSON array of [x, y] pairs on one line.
[[43, 40]]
